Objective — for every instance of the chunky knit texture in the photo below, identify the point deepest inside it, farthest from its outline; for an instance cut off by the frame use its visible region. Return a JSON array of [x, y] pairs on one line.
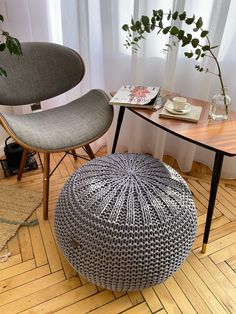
[[125, 221]]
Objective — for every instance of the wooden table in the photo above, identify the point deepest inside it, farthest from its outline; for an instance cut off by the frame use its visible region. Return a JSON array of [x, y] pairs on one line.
[[218, 136]]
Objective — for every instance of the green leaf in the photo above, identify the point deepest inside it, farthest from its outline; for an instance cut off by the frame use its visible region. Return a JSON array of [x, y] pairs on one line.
[[166, 29], [160, 13], [195, 42], [188, 54], [180, 34], [154, 12], [205, 48], [199, 23], [153, 26], [153, 20], [147, 28], [175, 15], [141, 36], [133, 28], [138, 25], [16, 50], [169, 15], [145, 20], [185, 41], [213, 47], [189, 36], [125, 27], [2, 46], [203, 55], [160, 24], [204, 34], [9, 45], [189, 20], [127, 44], [3, 72], [182, 16], [198, 51], [174, 30], [6, 34], [14, 46], [195, 29], [1, 18], [200, 69]]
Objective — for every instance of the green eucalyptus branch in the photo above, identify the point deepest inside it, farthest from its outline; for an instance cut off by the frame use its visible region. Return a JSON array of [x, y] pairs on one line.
[[10, 43], [137, 29], [219, 74]]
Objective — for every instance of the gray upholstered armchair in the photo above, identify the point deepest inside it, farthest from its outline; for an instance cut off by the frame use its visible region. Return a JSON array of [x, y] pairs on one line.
[[46, 70]]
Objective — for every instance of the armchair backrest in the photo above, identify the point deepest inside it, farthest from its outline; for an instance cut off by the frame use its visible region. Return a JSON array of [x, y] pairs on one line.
[[44, 71]]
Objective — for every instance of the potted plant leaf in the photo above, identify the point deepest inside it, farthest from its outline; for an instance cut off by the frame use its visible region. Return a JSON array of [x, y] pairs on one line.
[[197, 41], [7, 42]]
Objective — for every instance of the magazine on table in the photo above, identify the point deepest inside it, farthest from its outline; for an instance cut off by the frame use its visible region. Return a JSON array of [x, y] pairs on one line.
[[138, 97]]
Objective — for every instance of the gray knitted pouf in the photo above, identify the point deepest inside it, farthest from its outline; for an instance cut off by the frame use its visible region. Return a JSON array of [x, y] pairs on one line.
[[125, 221]]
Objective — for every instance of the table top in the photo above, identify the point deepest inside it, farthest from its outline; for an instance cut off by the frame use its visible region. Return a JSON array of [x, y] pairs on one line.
[[219, 136]]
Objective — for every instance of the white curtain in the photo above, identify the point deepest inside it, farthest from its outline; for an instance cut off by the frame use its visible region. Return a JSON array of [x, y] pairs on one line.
[[93, 28]]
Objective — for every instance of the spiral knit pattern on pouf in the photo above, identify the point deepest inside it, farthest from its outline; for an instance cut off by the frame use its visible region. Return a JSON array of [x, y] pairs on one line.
[[125, 221]]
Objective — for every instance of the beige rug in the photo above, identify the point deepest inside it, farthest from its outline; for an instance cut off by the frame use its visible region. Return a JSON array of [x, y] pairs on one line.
[[16, 205]]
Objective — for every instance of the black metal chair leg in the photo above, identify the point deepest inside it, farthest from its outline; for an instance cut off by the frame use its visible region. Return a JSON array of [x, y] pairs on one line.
[[118, 126], [214, 186]]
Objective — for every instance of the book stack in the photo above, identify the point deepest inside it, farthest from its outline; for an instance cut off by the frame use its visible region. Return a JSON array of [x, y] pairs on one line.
[[146, 97], [191, 113]]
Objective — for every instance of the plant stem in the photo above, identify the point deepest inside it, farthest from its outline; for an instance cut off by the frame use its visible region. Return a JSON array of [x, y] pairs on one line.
[[219, 74]]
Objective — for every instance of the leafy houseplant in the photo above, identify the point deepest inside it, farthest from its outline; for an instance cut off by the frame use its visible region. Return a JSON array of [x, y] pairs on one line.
[[199, 46], [10, 43]]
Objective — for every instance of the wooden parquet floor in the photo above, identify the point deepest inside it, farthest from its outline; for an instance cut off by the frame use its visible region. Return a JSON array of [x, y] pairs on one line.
[[37, 279]]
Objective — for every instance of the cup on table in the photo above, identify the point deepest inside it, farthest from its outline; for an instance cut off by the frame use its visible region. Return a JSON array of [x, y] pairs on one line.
[[179, 103]]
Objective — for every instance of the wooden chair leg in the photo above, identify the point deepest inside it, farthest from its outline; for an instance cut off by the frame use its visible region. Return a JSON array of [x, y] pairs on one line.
[[89, 151], [74, 154], [46, 173], [22, 164]]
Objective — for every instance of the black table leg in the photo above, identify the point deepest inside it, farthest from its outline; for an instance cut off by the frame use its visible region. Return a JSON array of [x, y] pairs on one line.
[[214, 186], [119, 122]]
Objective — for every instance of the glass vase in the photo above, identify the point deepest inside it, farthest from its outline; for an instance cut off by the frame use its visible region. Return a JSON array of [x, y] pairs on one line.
[[220, 106]]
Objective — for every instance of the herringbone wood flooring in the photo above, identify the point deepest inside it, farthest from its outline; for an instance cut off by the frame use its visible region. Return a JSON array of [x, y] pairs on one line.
[[37, 278]]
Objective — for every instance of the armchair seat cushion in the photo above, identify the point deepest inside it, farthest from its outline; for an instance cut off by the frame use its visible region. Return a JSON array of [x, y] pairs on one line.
[[72, 125]]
